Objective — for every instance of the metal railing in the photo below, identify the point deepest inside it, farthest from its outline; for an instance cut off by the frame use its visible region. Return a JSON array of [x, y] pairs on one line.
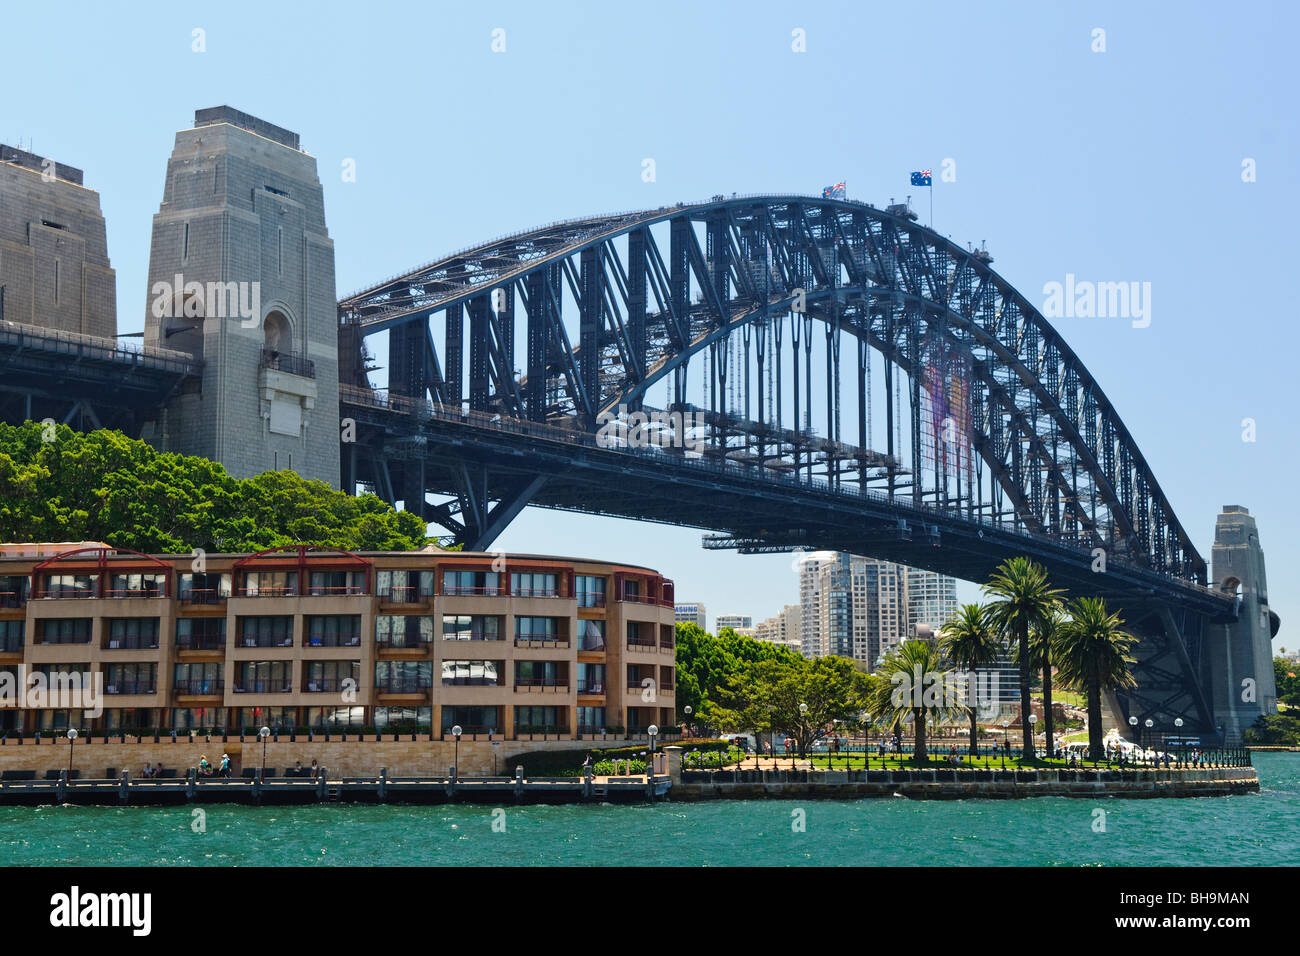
[[200, 687], [285, 362], [131, 687], [204, 596], [201, 642], [280, 686], [404, 685]]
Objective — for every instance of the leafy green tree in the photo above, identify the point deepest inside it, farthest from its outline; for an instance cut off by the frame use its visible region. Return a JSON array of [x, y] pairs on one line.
[[1093, 654], [791, 695], [970, 643], [916, 687], [1021, 598], [104, 486], [1287, 681], [707, 665]]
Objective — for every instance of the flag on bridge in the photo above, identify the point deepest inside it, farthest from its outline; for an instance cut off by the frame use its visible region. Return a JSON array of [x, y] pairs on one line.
[[838, 191], [921, 178]]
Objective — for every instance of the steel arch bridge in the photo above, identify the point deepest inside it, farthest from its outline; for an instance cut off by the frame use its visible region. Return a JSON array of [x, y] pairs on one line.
[[855, 381]]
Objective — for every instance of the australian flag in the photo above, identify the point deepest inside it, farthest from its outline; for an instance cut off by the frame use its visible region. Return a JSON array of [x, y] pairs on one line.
[[922, 178], [838, 191]]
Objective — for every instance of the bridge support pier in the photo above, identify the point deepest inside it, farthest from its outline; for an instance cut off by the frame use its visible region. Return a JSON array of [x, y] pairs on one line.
[[1241, 652]]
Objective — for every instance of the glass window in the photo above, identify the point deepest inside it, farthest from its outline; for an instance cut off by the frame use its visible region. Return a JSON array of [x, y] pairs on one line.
[[71, 585], [327, 677], [536, 628], [131, 633], [472, 720], [203, 588], [132, 678], [264, 677], [403, 630], [591, 678], [267, 631], [470, 674], [403, 677], [334, 630], [199, 678], [593, 635], [200, 633], [138, 584], [67, 630], [533, 584], [591, 720], [11, 636], [471, 582], [590, 590], [466, 627], [270, 583], [326, 583], [541, 720]]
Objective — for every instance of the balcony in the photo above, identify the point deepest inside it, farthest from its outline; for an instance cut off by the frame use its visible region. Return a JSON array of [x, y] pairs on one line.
[[201, 642], [131, 687], [256, 640], [403, 642], [124, 593], [459, 591], [471, 682], [592, 687], [334, 640], [329, 685], [138, 642], [11, 644], [283, 362], [405, 595], [638, 641], [208, 596], [277, 686], [404, 685], [535, 592], [12, 599], [201, 687], [546, 641], [559, 683], [65, 594], [268, 592], [342, 590]]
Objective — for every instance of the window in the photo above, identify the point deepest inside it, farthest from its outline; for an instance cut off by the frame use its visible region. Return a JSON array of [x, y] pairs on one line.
[[540, 674], [147, 584], [639, 634], [264, 677], [203, 678], [277, 719], [335, 718], [336, 582], [334, 630], [203, 588], [541, 720], [270, 583], [590, 590], [404, 719], [631, 590], [471, 627], [471, 720], [131, 633], [470, 674], [591, 720], [591, 678], [403, 677], [13, 590], [200, 633], [68, 630], [471, 582], [71, 585], [403, 586], [403, 630], [133, 678], [592, 635], [328, 677], [536, 629], [11, 636], [198, 718], [533, 584], [267, 631]]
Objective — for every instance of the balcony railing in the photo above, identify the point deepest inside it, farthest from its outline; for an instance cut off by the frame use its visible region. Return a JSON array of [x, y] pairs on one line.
[[201, 687], [138, 642], [471, 682], [201, 642], [334, 640], [11, 644], [470, 729], [264, 640], [535, 592], [404, 685], [403, 641], [150, 592], [131, 687], [293, 364], [555, 639], [268, 592], [342, 590], [591, 687], [541, 682], [405, 595], [542, 729], [66, 594], [638, 641], [12, 599], [204, 596], [466, 591], [328, 685], [64, 638], [590, 730], [587, 599], [278, 686]]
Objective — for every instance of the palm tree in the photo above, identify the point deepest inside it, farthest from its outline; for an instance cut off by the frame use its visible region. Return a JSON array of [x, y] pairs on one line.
[[970, 644], [1042, 640], [1093, 654], [913, 684], [1022, 598]]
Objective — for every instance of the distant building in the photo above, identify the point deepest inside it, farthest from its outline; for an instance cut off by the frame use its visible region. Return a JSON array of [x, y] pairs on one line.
[[782, 628], [734, 621], [859, 607], [54, 268], [691, 614]]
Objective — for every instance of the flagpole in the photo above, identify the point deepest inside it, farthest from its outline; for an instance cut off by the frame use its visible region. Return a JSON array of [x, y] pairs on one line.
[[932, 200]]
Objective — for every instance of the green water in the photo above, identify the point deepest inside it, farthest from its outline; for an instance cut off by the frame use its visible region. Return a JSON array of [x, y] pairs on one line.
[[1251, 830]]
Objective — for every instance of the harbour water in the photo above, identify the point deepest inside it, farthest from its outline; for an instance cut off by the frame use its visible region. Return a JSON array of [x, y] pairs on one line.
[[1248, 830]]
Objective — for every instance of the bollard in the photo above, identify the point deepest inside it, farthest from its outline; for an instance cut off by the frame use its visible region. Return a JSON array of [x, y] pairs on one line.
[[124, 789], [321, 790], [63, 786], [383, 784], [519, 781], [190, 776]]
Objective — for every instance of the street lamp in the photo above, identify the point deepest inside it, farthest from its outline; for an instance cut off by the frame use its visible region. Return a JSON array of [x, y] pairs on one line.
[[1033, 733], [264, 733], [803, 713], [1149, 724], [1178, 722], [688, 710], [456, 731], [72, 736], [651, 733]]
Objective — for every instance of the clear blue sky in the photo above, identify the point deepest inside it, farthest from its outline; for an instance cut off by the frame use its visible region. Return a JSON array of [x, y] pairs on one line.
[[1122, 165]]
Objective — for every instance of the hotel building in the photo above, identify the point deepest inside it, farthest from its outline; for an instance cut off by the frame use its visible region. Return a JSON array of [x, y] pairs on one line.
[[305, 637]]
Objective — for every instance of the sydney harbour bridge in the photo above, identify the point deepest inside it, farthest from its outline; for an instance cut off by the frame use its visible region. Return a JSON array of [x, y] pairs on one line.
[[852, 381]]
